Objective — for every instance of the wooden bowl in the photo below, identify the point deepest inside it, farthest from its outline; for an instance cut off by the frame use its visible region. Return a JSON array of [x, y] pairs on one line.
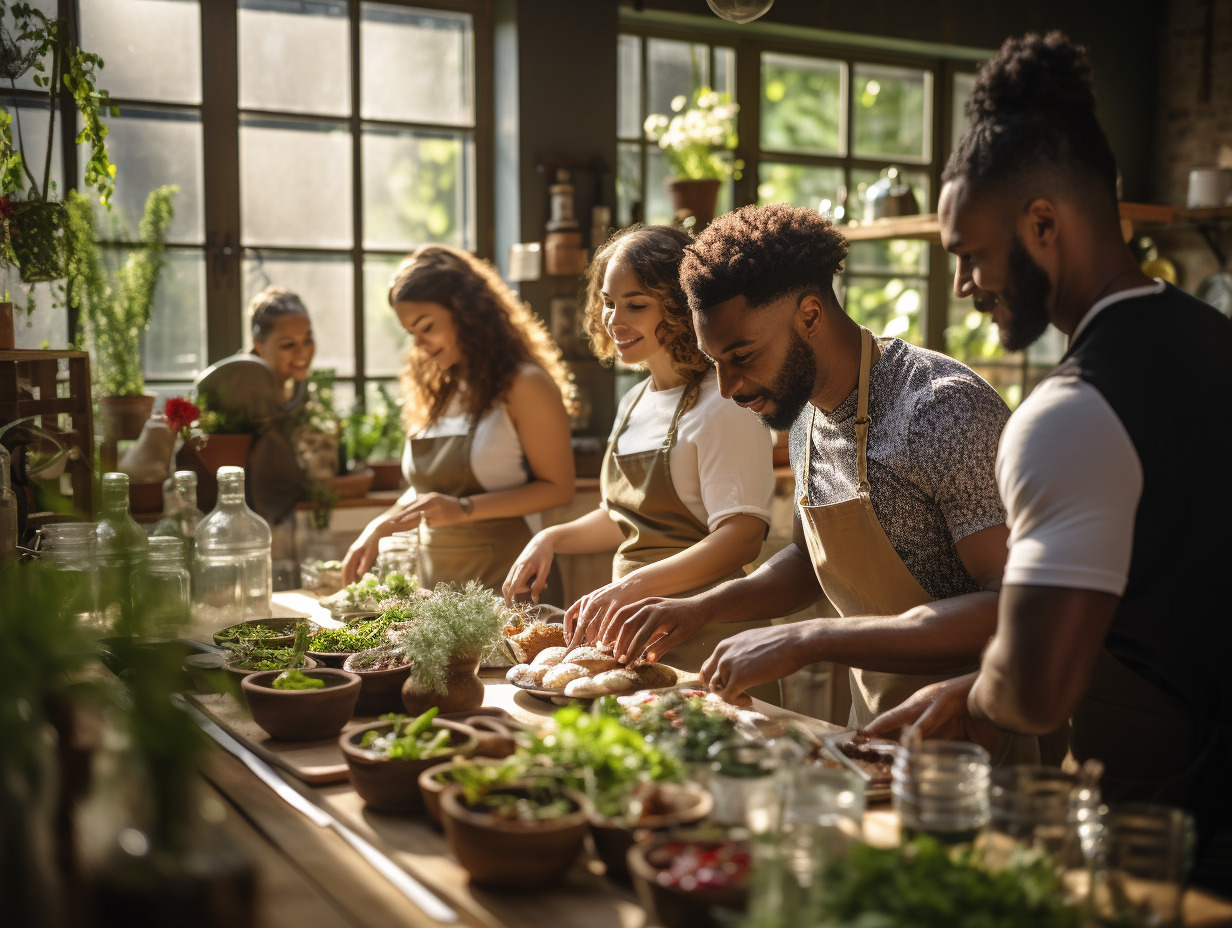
[[392, 784], [301, 715]]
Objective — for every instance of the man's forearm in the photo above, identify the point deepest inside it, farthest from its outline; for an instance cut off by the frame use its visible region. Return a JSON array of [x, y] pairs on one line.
[[784, 584]]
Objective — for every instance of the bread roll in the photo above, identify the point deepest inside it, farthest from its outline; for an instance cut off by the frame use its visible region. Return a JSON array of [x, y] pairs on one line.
[[533, 639], [655, 676], [593, 659], [550, 657], [585, 688], [618, 681], [521, 675], [558, 677]]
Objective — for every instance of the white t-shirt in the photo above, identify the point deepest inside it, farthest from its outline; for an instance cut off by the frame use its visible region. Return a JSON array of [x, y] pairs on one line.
[[721, 464], [1071, 480], [497, 459]]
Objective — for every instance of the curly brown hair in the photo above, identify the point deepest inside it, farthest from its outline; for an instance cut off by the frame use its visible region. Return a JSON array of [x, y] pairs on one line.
[[497, 333], [653, 253]]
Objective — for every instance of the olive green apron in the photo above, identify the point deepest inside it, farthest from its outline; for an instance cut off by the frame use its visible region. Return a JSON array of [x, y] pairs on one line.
[[862, 574], [482, 550], [642, 499]]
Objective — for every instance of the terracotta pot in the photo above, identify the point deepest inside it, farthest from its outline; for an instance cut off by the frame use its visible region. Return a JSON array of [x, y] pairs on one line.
[[381, 691], [238, 673], [463, 689], [283, 625], [688, 803], [353, 485], [215, 451], [431, 786], [124, 417], [386, 475], [8, 335], [301, 715], [696, 198], [673, 906], [392, 784], [512, 854]]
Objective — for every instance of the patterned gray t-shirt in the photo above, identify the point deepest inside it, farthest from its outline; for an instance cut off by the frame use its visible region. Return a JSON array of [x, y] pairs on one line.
[[932, 449]]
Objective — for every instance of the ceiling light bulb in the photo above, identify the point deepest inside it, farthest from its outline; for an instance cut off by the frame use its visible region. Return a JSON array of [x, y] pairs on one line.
[[739, 11]]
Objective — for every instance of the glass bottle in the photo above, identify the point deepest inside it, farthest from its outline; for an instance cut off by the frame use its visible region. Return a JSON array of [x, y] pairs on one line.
[[180, 513], [8, 512], [161, 589], [121, 544], [70, 549], [232, 569]]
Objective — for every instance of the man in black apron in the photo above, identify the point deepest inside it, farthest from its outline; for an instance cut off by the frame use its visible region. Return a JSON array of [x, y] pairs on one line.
[[1114, 470]]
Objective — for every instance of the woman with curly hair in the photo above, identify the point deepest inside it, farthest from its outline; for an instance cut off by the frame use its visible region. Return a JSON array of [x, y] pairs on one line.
[[484, 395], [687, 478]]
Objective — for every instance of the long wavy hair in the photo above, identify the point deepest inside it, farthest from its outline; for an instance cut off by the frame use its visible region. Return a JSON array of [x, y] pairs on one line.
[[496, 332], [653, 253]]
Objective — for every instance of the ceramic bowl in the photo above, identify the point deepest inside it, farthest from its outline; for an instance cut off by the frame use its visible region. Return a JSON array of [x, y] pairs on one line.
[[285, 626], [389, 784], [301, 715], [431, 785], [381, 690], [678, 804], [513, 854], [238, 673], [672, 906]]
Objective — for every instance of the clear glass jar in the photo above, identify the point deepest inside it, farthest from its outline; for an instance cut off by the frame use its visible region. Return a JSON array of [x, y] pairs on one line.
[[941, 788], [180, 513], [1040, 810], [71, 550], [397, 553], [161, 589], [232, 566], [121, 544]]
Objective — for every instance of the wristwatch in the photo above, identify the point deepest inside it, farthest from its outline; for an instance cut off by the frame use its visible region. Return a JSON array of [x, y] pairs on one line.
[[467, 505]]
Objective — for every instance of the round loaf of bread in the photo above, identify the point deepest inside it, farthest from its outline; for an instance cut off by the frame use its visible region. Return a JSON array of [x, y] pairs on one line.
[[618, 681], [655, 676], [585, 688], [535, 638], [550, 657], [594, 659], [521, 674], [558, 677]]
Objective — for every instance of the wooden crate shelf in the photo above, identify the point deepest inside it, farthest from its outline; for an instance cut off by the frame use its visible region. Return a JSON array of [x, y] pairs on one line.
[[52, 385]]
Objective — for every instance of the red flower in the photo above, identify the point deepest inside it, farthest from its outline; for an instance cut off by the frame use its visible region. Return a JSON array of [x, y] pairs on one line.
[[180, 413]]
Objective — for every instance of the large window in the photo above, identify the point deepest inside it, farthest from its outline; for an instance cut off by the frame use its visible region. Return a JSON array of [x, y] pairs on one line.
[[314, 142], [819, 124]]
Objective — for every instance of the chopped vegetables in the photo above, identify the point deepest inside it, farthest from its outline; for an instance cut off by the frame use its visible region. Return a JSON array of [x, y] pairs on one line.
[[407, 738]]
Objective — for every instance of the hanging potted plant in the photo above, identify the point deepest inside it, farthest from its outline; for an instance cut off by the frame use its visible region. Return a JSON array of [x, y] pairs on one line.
[[115, 308], [35, 238], [695, 140]]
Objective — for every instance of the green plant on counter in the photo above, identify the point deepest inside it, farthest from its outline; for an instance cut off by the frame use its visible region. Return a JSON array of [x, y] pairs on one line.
[[408, 738], [115, 307], [375, 433]]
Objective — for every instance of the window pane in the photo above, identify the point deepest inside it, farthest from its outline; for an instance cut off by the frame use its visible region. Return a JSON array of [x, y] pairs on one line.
[[26, 80], [287, 197], [799, 185], [151, 49], [294, 55], [417, 65], [658, 205], [887, 307], [963, 85], [892, 112], [629, 87], [174, 346], [418, 187], [325, 284], [29, 129], [895, 255], [45, 324], [151, 148], [628, 183], [802, 104], [862, 179], [385, 341], [674, 68], [725, 71]]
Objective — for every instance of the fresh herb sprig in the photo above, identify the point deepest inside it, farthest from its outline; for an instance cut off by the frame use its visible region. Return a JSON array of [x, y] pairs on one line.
[[408, 738]]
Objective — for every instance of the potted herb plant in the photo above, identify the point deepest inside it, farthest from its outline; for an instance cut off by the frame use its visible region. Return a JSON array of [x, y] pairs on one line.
[[375, 436], [695, 140], [35, 238], [115, 308]]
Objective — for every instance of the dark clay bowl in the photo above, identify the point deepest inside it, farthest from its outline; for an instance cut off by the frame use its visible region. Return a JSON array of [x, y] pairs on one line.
[[686, 804], [284, 626], [301, 715], [392, 784], [380, 690], [673, 906]]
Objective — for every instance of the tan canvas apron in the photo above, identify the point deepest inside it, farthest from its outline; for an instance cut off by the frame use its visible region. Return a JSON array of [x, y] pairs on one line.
[[641, 498], [862, 574], [482, 550]]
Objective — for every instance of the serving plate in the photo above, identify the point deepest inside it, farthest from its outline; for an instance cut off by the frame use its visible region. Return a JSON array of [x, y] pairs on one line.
[[555, 697], [876, 776]]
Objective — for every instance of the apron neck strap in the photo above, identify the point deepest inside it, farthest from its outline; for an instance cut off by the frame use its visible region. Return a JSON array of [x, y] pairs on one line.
[[670, 440], [611, 444], [861, 425]]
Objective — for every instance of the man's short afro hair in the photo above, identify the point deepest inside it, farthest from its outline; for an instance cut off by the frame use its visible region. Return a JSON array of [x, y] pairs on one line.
[[762, 253]]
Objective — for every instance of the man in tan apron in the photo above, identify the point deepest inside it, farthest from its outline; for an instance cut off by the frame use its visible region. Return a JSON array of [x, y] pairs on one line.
[[792, 355], [1114, 470]]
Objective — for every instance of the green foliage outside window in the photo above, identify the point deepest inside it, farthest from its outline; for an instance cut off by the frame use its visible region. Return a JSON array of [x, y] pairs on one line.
[[424, 188]]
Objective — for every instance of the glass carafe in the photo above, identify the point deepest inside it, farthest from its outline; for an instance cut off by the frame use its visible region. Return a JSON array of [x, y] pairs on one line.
[[122, 543], [232, 570], [180, 513]]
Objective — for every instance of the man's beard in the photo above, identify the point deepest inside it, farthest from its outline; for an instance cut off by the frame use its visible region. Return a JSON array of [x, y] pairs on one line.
[[1025, 299], [792, 388]]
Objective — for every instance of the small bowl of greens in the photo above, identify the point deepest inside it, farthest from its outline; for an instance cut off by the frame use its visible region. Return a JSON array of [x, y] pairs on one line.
[[332, 646], [301, 705], [262, 633], [386, 758], [253, 660]]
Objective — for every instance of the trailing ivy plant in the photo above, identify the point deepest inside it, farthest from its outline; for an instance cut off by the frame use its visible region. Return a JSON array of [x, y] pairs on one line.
[[115, 307]]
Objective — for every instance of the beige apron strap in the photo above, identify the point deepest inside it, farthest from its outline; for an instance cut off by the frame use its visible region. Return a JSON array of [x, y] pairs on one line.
[[862, 421]]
